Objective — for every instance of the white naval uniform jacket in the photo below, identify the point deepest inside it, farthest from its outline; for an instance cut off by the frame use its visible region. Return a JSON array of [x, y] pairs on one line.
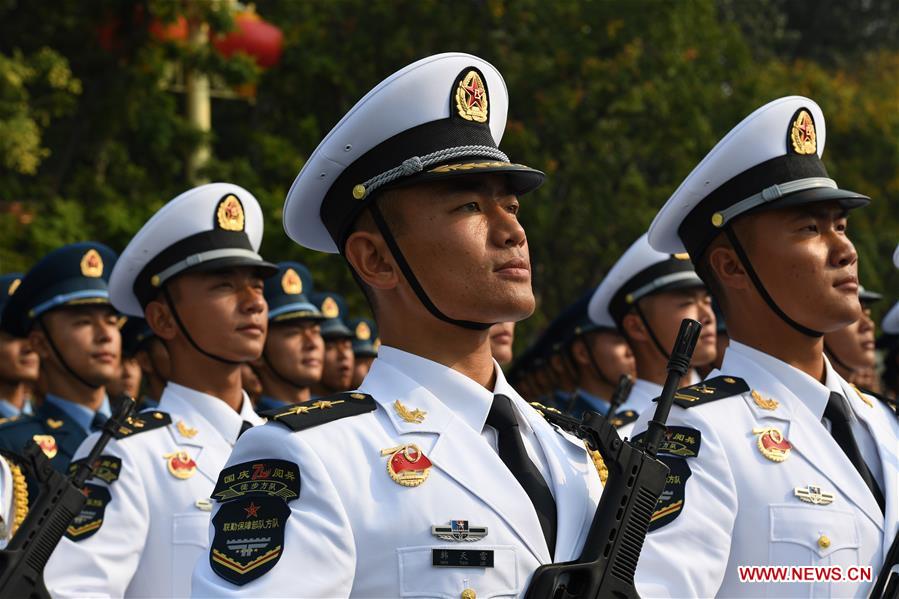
[[153, 529], [740, 508], [355, 532]]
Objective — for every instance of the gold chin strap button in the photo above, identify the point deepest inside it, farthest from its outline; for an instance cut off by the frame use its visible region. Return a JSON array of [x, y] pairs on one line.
[[823, 542], [469, 594]]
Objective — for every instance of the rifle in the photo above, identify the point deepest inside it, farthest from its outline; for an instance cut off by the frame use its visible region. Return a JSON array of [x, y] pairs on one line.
[[887, 584], [60, 500], [636, 480], [621, 393]]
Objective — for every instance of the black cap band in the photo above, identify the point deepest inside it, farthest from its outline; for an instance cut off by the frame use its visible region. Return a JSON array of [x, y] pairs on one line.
[[673, 273]]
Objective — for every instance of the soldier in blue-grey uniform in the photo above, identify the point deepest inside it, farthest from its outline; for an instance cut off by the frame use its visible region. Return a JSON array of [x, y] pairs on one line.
[[337, 373], [62, 306], [435, 478], [365, 347], [294, 353], [19, 364]]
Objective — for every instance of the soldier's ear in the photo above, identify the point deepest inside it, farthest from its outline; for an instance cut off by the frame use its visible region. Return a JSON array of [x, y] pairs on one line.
[[38, 342], [633, 327], [160, 319], [726, 267], [579, 351], [370, 257]]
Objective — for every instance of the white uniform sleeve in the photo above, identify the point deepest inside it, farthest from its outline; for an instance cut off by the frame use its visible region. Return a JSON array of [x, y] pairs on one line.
[[319, 554], [102, 564], [7, 505], [688, 556]]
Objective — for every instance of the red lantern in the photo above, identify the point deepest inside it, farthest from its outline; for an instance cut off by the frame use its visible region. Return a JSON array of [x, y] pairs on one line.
[[251, 35], [169, 32]]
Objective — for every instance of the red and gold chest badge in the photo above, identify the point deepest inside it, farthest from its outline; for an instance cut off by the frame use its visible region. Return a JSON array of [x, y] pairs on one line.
[[803, 137], [180, 464], [772, 443], [407, 465], [229, 213], [92, 264], [471, 98], [47, 444], [291, 282]]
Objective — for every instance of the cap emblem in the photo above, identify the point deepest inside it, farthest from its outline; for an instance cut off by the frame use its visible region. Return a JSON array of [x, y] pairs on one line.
[[291, 282], [329, 308], [363, 332], [92, 264], [802, 133], [681, 256], [471, 98], [13, 286], [229, 213]]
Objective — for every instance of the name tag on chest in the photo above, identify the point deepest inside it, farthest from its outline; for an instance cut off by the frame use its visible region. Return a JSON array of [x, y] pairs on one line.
[[462, 558]]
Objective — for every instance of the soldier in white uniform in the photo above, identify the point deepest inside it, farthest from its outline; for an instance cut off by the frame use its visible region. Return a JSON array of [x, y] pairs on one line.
[[776, 460], [434, 479], [645, 296], [195, 273]]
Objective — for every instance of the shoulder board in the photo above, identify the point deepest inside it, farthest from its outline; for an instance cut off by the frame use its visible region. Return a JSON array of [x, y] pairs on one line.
[[710, 390], [622, 418], [890, 403], [322, 410], [10, 419], [143, 422], [567, 423]]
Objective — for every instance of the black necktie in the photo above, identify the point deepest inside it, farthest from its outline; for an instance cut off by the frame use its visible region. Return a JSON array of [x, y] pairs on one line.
[[98, 421], [244, 427], [841, 431], [515, 457]]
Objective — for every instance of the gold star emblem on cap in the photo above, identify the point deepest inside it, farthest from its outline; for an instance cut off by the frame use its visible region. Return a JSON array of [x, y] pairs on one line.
[[229, 213], [291, 282], [363, 332], [92, 264], [803, 135], [471, 98], [329, 308]]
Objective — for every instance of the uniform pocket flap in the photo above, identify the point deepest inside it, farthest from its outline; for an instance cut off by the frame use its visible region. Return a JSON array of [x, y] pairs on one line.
[[821, 530]]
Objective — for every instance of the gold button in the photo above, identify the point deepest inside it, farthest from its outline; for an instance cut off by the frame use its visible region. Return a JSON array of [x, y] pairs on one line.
[[823, 542], [359, 191], [469, 594], [717, 219]]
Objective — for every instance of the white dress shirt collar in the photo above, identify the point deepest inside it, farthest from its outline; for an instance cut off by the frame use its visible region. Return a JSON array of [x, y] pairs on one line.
[[184, 402]]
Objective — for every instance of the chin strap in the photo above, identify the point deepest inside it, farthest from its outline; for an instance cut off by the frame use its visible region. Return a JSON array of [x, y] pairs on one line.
[[413, 281], [58, 354], [652, 334], [744, 260], [171, 304]]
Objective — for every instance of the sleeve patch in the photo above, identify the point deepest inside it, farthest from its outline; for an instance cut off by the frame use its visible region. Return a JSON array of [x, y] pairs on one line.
[[322, 410], [671, 502], [140, 423], [90, 519], [106, 468], [271, 478], [249, 537], [710, 390]]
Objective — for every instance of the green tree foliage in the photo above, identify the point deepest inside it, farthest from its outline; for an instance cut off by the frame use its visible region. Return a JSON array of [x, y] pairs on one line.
[[615, 100]]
